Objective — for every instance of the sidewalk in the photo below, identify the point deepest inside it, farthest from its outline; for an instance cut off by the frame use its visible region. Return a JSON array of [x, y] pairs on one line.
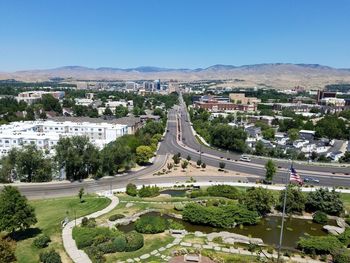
[[79, 256]]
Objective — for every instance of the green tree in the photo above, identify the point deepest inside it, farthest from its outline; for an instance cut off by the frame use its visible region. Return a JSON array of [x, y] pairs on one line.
[[77, 156], [258, 199], [345, 158], [269, 134], [228, 138], [203, 165], [117, 155], [80, 194], [271, 170], [295, 202], [121, 111], [222, 165], [260, 148], [30, 116], [143, 154], [324, 200], [332, 127], [15, 212], [293, 134], [31, 165], [153, 127], [50, 256], [51, 104], [176, 159], [107, 112], [184, 165], [131, 189]]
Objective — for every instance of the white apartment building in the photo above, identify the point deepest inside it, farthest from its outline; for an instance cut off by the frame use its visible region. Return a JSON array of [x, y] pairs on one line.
[[31, 97], [46, 134]]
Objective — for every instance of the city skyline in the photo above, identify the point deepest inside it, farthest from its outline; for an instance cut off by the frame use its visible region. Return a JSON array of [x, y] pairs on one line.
[[181, 34]]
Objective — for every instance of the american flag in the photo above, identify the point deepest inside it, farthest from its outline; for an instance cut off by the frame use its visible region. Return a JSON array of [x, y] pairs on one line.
[[294, 176]]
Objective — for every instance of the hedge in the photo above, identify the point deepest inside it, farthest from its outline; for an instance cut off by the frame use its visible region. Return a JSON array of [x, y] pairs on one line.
[[85, 237], [134, 241], [120, 243]]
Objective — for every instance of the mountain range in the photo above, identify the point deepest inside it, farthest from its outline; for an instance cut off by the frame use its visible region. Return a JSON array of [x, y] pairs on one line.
[[276, 75]]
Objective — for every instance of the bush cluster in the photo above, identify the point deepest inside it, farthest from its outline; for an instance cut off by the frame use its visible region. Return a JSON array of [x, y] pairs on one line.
[[50, 256], [319, 245], [221, 216], [41, 241], [320, 217], [145, 191], [88, 222], [151, 224], [134, 241]]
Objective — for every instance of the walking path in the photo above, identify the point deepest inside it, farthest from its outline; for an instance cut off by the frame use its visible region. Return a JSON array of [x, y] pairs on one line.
[[79, 256]]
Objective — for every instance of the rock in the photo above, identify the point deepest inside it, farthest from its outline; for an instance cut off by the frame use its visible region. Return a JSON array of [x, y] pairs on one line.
[[129, 205], [217, 248], [341, 222], [334, 230], [197, 245], [185, 244], [224, 249], [231, 238], [199, 234], [129, 260], [154, 252], [169, 245], [161, 249], [207, 246], [145, 256]]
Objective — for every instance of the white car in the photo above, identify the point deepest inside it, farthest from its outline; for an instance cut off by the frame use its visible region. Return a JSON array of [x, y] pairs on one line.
[[244, 158]]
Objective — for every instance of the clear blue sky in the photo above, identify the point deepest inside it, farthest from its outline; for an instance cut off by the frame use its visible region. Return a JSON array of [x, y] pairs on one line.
[[179, 33]]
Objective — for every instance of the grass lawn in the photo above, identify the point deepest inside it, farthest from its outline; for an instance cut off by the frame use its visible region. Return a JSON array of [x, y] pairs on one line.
[[50, 213], [346, 200], [152, 242]]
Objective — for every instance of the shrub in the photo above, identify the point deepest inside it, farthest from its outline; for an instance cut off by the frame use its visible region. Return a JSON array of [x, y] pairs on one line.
[[88, 222], [41, 241], [116, 217], [50, 256], [221, 216], [345, 237], [172, 224], [149, 191], [320, 217], [227, 191], [319, 244], [134, 241], [341, 256], [120, 243], [95, 254], [100, 239], [107, 247], [131, 189], [150, 224], [84, 236], [197, 193]]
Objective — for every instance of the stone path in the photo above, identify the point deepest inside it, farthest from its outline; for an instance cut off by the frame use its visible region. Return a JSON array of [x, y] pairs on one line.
[[79, 256]]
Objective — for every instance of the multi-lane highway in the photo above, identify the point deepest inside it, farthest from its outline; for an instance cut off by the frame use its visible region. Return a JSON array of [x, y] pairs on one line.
[[179, 126], [188, 144]]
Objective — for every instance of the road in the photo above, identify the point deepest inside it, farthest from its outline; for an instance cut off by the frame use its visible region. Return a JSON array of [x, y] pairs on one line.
[[188, 145], [179, 124]]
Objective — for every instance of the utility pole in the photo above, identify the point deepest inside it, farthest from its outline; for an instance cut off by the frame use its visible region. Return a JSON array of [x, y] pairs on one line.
[[283, 215], [200, 151]]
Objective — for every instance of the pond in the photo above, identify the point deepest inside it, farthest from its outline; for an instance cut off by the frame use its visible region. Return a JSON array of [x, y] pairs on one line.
[[175, 192], [268, 229]]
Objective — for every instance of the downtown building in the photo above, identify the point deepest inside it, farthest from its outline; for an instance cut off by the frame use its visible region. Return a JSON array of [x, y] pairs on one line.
[[46, 134]]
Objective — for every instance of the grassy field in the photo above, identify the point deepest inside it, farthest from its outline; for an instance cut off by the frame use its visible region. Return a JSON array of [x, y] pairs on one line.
[[50, 213]]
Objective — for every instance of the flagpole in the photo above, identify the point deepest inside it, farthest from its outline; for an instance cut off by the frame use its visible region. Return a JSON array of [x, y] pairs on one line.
[[282, 224]]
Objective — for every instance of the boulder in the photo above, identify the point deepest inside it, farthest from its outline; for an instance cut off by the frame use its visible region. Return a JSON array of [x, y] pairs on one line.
[[334, 230]]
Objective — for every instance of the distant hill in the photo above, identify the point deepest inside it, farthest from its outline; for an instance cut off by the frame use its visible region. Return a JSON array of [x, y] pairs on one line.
[[276, 75]]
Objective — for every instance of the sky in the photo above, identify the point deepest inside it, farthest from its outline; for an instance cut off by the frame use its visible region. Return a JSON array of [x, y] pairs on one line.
[[40, 34]]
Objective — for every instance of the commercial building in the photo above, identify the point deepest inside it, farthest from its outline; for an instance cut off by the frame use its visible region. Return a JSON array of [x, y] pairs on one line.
[[240, 98], [46, 134], [31, 97]]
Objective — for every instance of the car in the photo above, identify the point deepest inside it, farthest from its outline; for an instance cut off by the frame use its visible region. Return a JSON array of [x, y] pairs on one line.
[[245, 158], [311, 180]]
